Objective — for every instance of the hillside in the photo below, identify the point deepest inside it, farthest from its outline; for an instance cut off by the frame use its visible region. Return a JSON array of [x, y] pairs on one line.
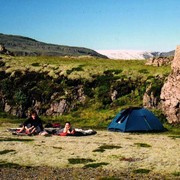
[[84, 90], [25, 46]]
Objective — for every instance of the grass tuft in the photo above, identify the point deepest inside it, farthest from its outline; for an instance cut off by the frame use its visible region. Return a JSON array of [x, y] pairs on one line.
[[95, 165], [104, 147], [141, 171], [109, 178], [79, 160], [35, 64], [176, 173], [4, 164], [6, 151], [142, 145], [174, 137], [57, 147]]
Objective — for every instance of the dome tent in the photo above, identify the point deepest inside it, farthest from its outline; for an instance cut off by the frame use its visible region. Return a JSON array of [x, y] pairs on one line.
[[135, 120]]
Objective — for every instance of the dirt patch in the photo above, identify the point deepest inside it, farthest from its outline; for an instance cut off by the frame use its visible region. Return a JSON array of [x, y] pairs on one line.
[[22, 173]]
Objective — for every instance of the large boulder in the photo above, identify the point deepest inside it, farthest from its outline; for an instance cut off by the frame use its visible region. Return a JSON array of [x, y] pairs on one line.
[[170, 93], [159, 61]]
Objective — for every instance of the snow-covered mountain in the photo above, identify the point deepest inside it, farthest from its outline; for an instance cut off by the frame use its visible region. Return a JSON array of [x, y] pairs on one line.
[[130, 54]]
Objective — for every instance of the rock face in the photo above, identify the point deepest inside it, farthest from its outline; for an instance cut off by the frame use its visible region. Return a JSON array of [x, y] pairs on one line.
[[170, 93], [60, 105], [150, 100], [159, 61], [3, 50]]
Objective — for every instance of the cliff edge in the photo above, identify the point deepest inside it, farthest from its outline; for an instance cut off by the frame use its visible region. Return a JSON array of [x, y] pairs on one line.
[[170, 93]]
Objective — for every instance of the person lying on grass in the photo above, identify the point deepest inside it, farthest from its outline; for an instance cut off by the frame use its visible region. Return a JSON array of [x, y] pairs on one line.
[[67, 130], [33, 125]]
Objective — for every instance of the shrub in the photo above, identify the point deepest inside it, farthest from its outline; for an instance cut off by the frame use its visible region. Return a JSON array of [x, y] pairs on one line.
[[7, 88], [176, 173], [142, 171], [35, 64], [79, 160], [95, 165], [20, 98]]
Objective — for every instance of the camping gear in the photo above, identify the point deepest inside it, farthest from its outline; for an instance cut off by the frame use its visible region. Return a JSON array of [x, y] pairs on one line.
[[135, 120]]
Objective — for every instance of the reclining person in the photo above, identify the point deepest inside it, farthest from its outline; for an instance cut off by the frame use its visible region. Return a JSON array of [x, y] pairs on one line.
[[67, 130]]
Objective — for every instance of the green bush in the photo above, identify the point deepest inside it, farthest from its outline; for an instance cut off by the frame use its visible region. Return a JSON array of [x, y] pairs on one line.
[[20, 98], [35, 64]]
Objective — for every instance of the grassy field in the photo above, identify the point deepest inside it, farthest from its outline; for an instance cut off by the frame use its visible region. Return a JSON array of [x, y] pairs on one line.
[[83, 67], [106, 155], [93, 113]]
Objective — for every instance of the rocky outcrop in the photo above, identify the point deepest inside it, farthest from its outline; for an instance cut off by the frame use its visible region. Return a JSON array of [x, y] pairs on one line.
[[159, 61], [58, 108], [170, 93], [150, 100], [3, 50], [61, 104], [58, 104]]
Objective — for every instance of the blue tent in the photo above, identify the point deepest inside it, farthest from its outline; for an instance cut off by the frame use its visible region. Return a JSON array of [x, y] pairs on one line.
[[134, 120]]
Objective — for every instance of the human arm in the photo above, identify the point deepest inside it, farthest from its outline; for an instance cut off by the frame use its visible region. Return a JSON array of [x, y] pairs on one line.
[[29, 130]]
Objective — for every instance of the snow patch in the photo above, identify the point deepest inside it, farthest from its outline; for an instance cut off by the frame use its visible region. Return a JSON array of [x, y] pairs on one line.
[[127, 54]]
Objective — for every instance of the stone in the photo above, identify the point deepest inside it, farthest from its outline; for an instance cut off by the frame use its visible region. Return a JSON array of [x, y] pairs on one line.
[[170, 93], [149, 98], [58, 108], [114, 95], [159, 61]]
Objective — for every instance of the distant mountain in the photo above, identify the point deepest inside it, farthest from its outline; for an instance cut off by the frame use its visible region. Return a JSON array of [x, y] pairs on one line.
[[167, 54], [25, 46], [133, 54]]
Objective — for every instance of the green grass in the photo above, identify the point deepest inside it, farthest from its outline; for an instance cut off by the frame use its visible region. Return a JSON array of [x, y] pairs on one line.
[[93, 114], [175, 137], [4, 164], [110, 178], [173, 130], [84, 67], [176, 173], [86, 118], [7, 118]]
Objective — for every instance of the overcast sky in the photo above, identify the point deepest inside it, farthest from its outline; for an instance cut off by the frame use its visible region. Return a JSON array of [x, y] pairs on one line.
[[97, 24]]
